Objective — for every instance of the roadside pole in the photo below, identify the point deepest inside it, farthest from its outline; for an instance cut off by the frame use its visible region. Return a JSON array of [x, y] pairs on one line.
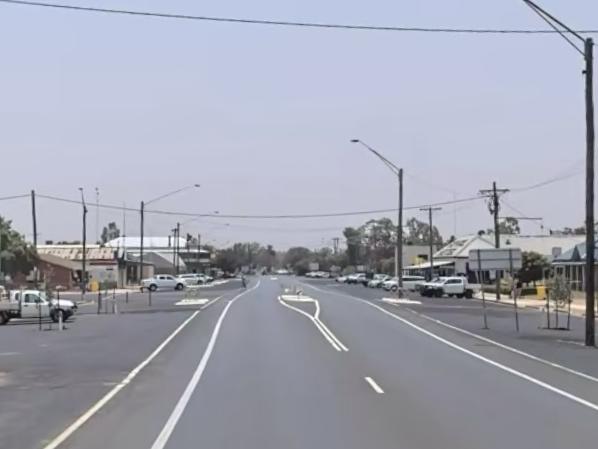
[[34, 217], [514, 289], [430, 209], [142, 207], [399, 255], [482, 288]]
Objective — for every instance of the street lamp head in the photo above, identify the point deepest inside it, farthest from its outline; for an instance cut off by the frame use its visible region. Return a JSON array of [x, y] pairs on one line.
[[355, 140], [196, 185], [80, 189]]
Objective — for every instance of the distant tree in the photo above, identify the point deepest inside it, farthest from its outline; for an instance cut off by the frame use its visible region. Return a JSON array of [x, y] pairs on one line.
[[509, 225], [295, 255], [110, 232], [533, 267], [16, 255], [419, 233], [353, 239]]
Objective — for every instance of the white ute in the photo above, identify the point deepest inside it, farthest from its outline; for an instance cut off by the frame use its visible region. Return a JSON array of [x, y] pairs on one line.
[[32, 304], [450, 286]]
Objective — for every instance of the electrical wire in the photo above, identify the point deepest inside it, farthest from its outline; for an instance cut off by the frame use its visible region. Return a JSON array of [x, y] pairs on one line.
[[547, 182], [286, 23], [239, 216], [14, 197]]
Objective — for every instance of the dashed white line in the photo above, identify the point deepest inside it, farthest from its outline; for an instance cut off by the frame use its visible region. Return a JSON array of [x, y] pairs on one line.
[[477, 356], [374, 385]]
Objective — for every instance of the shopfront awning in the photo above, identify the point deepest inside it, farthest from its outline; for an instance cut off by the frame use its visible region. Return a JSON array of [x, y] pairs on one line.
[[426, 265]]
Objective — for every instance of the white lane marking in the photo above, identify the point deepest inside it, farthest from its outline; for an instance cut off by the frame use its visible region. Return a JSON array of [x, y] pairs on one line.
[[316, 318], [114, 391], [374, 385], [9, 353], [569, 342], [400, 301], [475, 355], [205, 306], [191, 302], [508, 348], [174, 417], [313, 320]]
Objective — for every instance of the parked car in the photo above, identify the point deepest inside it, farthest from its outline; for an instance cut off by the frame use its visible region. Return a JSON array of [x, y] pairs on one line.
[[195, 278], [162, 282], [451, 286], [342, 279], [378, 280], [356, 278], [33, 304], [409, 283]]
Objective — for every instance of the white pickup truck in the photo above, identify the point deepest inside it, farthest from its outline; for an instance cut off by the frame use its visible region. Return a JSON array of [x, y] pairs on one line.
[[450, 286], [32, 303]]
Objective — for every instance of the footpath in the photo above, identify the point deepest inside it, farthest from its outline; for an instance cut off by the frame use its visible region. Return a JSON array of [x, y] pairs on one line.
[[578, 306]]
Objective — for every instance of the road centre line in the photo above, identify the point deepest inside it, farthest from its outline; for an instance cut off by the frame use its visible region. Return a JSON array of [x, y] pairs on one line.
[[334, 337], [475, 355], [374, 385], [493, 342], [58, 440], [178, 410], [313, 320]]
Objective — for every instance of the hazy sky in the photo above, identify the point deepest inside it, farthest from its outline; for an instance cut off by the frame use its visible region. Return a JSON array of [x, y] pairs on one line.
[[262, 116]]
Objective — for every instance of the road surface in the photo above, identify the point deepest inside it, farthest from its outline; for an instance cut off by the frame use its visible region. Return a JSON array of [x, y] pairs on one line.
[[264, 368]]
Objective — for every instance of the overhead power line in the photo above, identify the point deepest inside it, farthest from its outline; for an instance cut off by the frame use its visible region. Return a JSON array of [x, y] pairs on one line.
[[288, 23], [14, 197], [280, 216]]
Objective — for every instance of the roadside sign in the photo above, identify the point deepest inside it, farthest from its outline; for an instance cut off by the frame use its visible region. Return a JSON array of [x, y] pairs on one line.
[[314, 266], [506, 259]]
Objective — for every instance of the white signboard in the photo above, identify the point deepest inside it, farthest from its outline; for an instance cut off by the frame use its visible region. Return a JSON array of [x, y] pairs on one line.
[[495, 259], [314, 266]]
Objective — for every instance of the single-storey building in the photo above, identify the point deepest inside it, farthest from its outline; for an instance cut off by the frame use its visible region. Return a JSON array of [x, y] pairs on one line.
[[571, 264]]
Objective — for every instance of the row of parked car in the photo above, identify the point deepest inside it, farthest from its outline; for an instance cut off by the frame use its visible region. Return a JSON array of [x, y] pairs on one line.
[[456, 286], [169, 282], [388, 283]]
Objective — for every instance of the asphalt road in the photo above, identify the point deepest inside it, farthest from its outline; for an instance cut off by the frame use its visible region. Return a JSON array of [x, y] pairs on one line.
[[335, 368]]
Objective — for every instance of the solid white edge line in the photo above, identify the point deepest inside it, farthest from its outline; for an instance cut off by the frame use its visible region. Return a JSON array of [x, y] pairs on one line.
[[313, 320], [178, 410], [508, 348], [498, 365], [208, 304], [58, 440], [374, 385]]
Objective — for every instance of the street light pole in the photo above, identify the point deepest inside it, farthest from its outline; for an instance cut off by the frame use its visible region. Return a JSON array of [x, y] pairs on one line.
[[587, 53], [84, 255], [399, 243], [142, 224]]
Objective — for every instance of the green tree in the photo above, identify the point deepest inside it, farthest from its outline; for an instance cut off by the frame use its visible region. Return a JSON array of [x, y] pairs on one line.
[[296, 254], [533, 266], [509, 225], [354, 239], [16, 256], [418, 233], [110, 232]]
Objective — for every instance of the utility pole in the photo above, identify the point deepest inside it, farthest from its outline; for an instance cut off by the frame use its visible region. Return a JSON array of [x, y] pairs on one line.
[[399, 248], [430, 209], [335, 242], [174, 249], [34, 216], [199, 253], [590, 238], [588, 54], [494, 208], [97, 214], [141, 208], [124, 240], [84, 255], [178, 247]]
